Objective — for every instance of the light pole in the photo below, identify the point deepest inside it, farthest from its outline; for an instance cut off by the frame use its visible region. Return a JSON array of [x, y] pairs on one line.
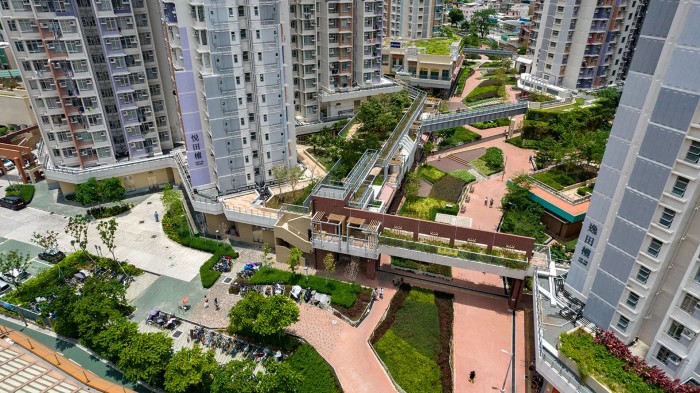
[[306, 269], [510, 362]]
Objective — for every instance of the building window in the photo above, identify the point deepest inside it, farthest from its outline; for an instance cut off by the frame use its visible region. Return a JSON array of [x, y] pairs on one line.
[[632, 300], [675, 330], [697, 273], [689, 304], [622, 323], [247, 176], [244, 34], [267, 154], [245, 55], [680, 186], [654, 247], [265, 118], [262, 78], [235, 58], [238, 80], [245, 140], [241, 12], [667, 218], [693, 154], [233, 36], [665, 356], [251, 117], [262, 97], [643, 275]]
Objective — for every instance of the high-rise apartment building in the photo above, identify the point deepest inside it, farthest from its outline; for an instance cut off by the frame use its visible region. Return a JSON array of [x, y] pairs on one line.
[[412, 19], [336, 56], [637, 263], [230, 62], [92, 74], [583, 43]]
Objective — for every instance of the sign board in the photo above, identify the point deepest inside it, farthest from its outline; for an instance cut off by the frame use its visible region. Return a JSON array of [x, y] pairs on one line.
[[395, 44]]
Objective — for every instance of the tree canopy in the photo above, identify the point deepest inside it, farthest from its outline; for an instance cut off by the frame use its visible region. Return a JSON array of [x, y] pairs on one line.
[[240, 377], [146, 357], [263, 316], [93, 190], [482, 21], [521, 215], [13, 261], [190, 370], [456, 15]]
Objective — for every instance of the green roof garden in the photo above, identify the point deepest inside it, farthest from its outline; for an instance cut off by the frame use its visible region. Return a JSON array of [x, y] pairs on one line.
[[435, 47]]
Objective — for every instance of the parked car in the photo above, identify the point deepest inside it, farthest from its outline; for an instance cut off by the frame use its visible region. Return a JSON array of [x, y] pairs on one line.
[[9, 165], [52, 255], [12, 202], [15, 274], [4, 287]]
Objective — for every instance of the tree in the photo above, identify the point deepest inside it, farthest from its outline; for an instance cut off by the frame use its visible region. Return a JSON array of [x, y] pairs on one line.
[[190, 370], [12, 264], [279, 377], [482, 21], [107, 230], [295, 175], [114, 337], [351, 270], [294, 259], [465, 25], [261, 315], [236, 376], [329, 264], [411, 186], [267, 258], [428, 147], [242, 316], [110, 190], [146, 357], [77, 228], [49, 239], [280, 173], [90, 315], [315, 140], [456, 15]]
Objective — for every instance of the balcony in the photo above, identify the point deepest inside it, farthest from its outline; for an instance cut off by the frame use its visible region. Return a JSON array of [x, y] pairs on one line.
[[357, 247]]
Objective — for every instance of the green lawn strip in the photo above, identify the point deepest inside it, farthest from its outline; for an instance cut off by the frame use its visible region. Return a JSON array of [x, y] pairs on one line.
[[418, 324], [595, 360], [430, 173], [426, 208], [342, 293], [318, 375], [25, 191], [481, 166], [462, 81], [413, 371], [422, 266], [448, 189], [463, 175], [435, 47]]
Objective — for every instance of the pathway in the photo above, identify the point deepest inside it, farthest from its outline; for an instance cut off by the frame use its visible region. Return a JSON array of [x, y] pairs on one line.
[[352, 130], [303, 156]]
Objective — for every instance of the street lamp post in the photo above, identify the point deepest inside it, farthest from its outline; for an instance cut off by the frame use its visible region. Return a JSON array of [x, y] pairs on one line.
[[510, 362]]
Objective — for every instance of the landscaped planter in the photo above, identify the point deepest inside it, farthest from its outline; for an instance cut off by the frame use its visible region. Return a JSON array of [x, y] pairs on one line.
[[422, 273], [590, 381]]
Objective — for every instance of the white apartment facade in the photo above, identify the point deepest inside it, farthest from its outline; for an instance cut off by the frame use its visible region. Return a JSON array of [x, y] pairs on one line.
[[583, 43], [414, 19], [91, 72]]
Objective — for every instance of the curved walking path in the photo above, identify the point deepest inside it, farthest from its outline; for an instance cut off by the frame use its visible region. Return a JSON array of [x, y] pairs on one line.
[[345, 347]]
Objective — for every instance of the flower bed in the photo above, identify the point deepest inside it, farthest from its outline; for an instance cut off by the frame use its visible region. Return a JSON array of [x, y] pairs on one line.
[[414, 340]]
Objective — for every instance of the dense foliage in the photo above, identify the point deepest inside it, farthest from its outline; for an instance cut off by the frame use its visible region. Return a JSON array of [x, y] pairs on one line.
[[430, 173], [502, 122], [109, 211], [24, 191], [448, 189], [422, 266], [100, 191], [564, 175], [318, 375], [456, 136], [463, 175], [521, 215], [427, 208]]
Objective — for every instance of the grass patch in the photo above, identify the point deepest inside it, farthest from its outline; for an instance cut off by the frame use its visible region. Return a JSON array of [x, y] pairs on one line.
[[482, 93], [430, 173], [449, 188], [342, 293], [24, 191], [435, 47], [462, 80], [296, 197], [427, 208], [378, 180], [318, 375], [415, 340], [491, 162], [456, 136], [422, 266], [463, 175], [595, 360], [504, 121], [563, 176]]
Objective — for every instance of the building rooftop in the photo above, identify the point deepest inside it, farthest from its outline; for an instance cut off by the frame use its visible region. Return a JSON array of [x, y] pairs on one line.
[[571, 211], [435, 47]]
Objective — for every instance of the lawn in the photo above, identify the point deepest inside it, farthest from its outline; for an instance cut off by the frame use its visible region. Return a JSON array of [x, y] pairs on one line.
[[415, 338], [435, 47], [427, 208], [563, 176], [342, 293], [25, 191], [422, 266], [595, 360], [462, 80], [491, 162], [464, 175], [449, 188], [456, 136], [430, 173], [318, 375]]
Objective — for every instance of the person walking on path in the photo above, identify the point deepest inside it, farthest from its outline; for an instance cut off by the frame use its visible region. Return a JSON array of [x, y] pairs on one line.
[[216, 303], [155, 215], [472, 375], [491, 203], [486, 201], [374, 294], [206, 301], [381, 293]]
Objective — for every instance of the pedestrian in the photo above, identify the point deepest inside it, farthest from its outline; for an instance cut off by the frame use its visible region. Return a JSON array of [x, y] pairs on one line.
[[381, 293], [439, 157], [216, 303], [486, 201], [491, 203], [206, 301], [472, 375], [374, 294], [155, 215]]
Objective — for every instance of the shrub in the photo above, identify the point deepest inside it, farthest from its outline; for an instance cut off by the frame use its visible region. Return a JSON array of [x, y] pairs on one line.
[[561, 177], [109, 211], [463, 175], [456, 136], [426, 208], [516, 141], [25, 191], [491, 162], [318, 375], [422, 266], [482, 93], [449, 188], [462, 80], [504, 121], [430, 173], [342, 293]]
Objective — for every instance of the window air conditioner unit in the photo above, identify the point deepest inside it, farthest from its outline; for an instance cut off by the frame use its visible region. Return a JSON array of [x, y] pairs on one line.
[[71, 23]]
